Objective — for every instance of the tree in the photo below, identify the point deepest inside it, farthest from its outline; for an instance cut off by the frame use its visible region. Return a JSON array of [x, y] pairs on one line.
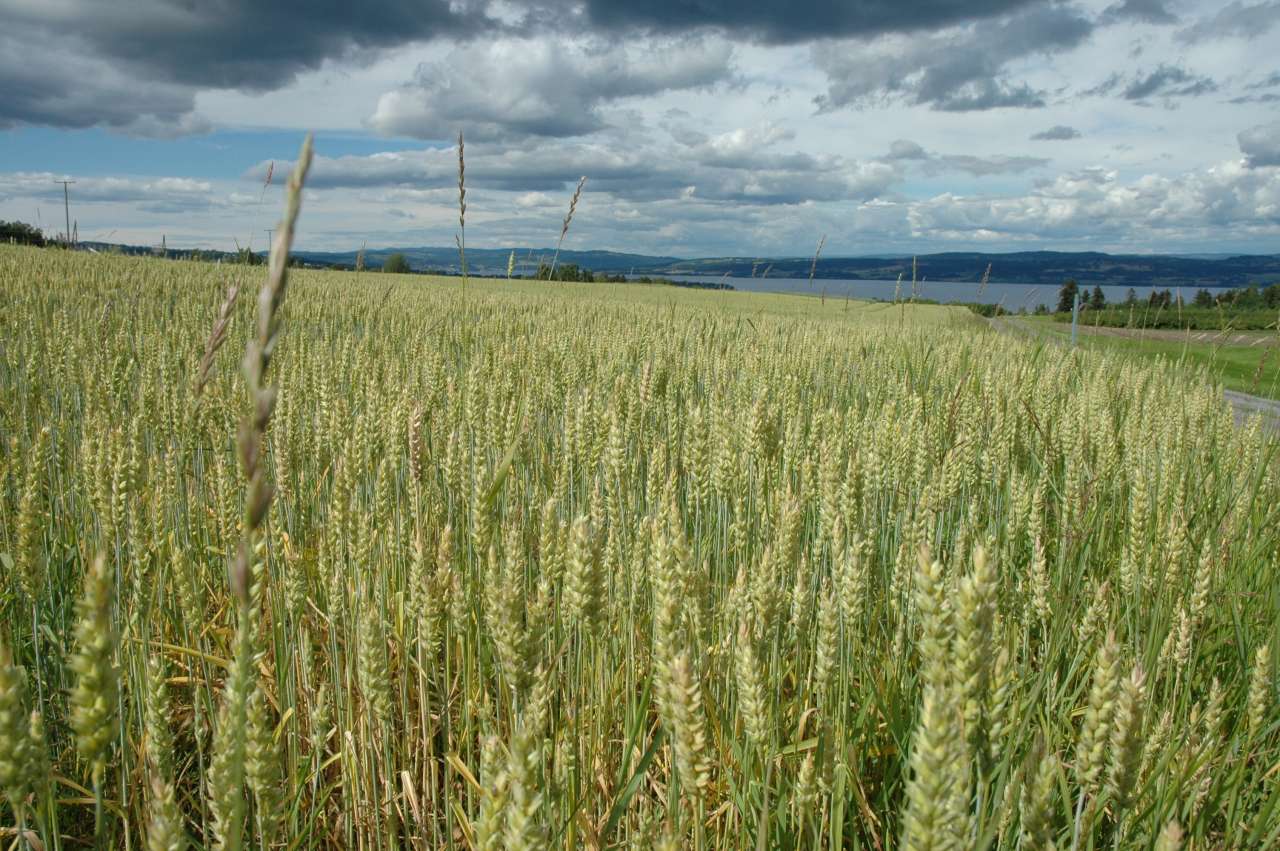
[[396, 264], [1098, 300], [1204, 298], [1249, 297], [567, 272], [1067, 295], [21, 233], [247, 257], [1130, 298]]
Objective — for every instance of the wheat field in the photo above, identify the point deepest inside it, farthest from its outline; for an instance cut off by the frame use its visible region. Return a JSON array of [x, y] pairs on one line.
[[540, 565]]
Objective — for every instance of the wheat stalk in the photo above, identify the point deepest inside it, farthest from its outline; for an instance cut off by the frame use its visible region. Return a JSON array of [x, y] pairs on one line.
[[573, 204]]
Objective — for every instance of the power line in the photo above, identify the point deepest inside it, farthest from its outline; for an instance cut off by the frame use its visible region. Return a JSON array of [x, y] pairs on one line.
[[66, 205]]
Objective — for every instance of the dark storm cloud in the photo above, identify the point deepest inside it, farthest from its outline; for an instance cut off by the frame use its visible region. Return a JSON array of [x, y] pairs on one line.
[[72, 88], [1261, 145], [777, 23], [259, 45], [1143, 11], [959, 69], [137, 65], [1056, 133], [1168, 81], [1236, 20], [240, 44]]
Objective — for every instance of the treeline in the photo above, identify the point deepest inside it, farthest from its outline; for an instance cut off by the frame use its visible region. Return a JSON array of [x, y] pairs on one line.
[[575, 273], [21, 233], [1246, 308], [987, 310]]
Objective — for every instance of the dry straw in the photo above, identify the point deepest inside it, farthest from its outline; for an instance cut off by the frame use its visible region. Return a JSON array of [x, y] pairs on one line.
[[217, 337], [813, 267], [461, 238], [573, 205]]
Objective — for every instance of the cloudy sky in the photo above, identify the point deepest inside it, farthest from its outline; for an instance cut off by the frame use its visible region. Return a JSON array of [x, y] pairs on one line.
[[704, 127]]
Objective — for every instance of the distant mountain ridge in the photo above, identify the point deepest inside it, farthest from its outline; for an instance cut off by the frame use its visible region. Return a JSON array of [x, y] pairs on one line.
[[1025, 267], [493, 261], [1031, 267]]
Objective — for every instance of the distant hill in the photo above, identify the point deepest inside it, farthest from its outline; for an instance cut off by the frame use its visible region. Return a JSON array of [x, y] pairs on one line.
[[493, 261], [1029, 267]]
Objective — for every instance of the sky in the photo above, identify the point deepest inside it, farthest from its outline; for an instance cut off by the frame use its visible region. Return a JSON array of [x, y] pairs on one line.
[[703, 127]]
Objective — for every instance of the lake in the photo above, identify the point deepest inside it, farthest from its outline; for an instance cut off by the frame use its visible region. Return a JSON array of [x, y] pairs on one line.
[[1011, 296]]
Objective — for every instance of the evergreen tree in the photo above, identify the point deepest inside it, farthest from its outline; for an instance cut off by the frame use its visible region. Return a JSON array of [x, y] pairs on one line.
[[1067, 295]]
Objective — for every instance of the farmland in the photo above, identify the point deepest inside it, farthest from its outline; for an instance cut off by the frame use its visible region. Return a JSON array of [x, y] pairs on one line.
[[543, 565], [1242, 361]]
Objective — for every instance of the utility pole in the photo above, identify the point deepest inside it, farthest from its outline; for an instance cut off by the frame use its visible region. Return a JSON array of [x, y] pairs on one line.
[[66, 205], [270, 237], [1075, 318]]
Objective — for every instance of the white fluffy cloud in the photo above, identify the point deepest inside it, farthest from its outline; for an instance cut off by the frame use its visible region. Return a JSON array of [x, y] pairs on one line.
[[1097, 203], [1261, 145], [160, 193], [739, 165], [543, 87]]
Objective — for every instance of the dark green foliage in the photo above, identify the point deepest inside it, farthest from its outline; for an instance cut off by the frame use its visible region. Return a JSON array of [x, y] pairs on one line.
[[1067, 295], [1192, 318], [573, 272], [21, 233], [396, 264], [1252, 308]]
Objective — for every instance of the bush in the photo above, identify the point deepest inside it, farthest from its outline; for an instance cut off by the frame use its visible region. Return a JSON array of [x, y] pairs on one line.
[[396, 264], [21, 233]]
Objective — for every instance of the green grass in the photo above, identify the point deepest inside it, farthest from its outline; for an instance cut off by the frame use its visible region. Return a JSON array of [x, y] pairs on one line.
[[1236, 367], [1173, 318]]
